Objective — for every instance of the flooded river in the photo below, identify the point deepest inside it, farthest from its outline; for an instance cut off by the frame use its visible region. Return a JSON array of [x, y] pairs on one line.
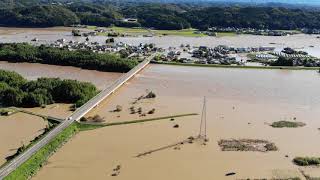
[[241, 103], [32, 71], [20, 128], [49, 35]]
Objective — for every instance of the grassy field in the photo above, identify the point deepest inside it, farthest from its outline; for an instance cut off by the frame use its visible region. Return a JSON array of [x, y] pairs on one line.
[[143, 31], [91, 126], [184, 32], [224, 34], [242, 67]]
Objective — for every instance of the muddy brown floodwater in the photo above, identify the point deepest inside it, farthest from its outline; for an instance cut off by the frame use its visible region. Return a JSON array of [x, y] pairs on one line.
[[20, 128], [32, 71], [16, 130], [308, 43], [240, 104]]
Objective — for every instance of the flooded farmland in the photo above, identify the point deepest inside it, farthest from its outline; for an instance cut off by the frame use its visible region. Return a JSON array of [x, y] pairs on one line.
[[20, 128], [241, 103], [16, 130], [308, 43]]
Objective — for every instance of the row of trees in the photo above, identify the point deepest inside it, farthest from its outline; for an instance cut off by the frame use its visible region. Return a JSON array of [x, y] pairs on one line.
[[23, 52], [306, 62], [161, 16], [16, 91]]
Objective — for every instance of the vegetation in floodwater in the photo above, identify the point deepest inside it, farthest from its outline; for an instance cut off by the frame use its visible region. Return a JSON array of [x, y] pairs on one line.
[[306, 161], [150, 95], [23, 52], [17, 91], [287, 124], [152, 111], [247, 145], [7, 111], [94, 119]]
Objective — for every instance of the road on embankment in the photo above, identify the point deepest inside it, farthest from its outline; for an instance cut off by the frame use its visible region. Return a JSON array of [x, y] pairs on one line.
[[79, 113]]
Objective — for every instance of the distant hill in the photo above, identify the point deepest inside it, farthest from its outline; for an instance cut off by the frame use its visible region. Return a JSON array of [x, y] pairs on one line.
[[303, 2], [291, 2]]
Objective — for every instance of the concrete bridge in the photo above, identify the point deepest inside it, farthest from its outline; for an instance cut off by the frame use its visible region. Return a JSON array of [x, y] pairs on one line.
[[79, 113]]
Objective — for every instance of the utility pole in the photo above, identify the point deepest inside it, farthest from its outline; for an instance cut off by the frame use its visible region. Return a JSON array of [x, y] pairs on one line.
[[203, 123]]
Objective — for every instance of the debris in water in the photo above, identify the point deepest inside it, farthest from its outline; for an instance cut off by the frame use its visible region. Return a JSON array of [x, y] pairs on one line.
[[191, 138], [115, 174], [231, 174], [176, 126], [117, 168]]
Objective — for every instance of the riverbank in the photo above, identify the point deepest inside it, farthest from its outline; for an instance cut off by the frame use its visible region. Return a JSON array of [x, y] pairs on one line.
[[239, 67]]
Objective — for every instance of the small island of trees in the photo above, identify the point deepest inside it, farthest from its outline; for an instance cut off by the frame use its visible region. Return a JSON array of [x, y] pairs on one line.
[[23, 52], [17, 91]]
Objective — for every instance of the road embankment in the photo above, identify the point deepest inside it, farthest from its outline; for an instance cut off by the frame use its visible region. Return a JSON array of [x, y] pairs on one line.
[[32, 165]]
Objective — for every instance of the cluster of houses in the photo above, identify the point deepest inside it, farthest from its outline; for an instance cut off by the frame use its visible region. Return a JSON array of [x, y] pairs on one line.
[[253, 31], [109, 33], [310, 31], [124, 49], [218, 55]]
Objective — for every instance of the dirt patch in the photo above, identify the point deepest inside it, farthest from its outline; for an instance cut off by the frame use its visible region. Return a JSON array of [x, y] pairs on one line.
[[287, 124], [247, 145]]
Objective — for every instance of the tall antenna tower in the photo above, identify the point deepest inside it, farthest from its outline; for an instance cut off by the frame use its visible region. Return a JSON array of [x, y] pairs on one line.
[[203, 123]]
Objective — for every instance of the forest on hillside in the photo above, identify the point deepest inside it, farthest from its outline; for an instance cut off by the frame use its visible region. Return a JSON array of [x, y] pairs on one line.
[[158, 16]]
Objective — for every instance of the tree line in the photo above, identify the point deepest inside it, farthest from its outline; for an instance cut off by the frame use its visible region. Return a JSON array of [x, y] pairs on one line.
[[23, 52], [160, 16], [17, 91]]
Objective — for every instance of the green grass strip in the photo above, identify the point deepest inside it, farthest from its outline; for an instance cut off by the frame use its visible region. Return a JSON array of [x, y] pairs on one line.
[[32, 165], [239, 67], [91, 126], [307, 161]]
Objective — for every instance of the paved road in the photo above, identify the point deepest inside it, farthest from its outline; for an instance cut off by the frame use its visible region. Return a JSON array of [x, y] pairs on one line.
[[80, 112], [59, 120]]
